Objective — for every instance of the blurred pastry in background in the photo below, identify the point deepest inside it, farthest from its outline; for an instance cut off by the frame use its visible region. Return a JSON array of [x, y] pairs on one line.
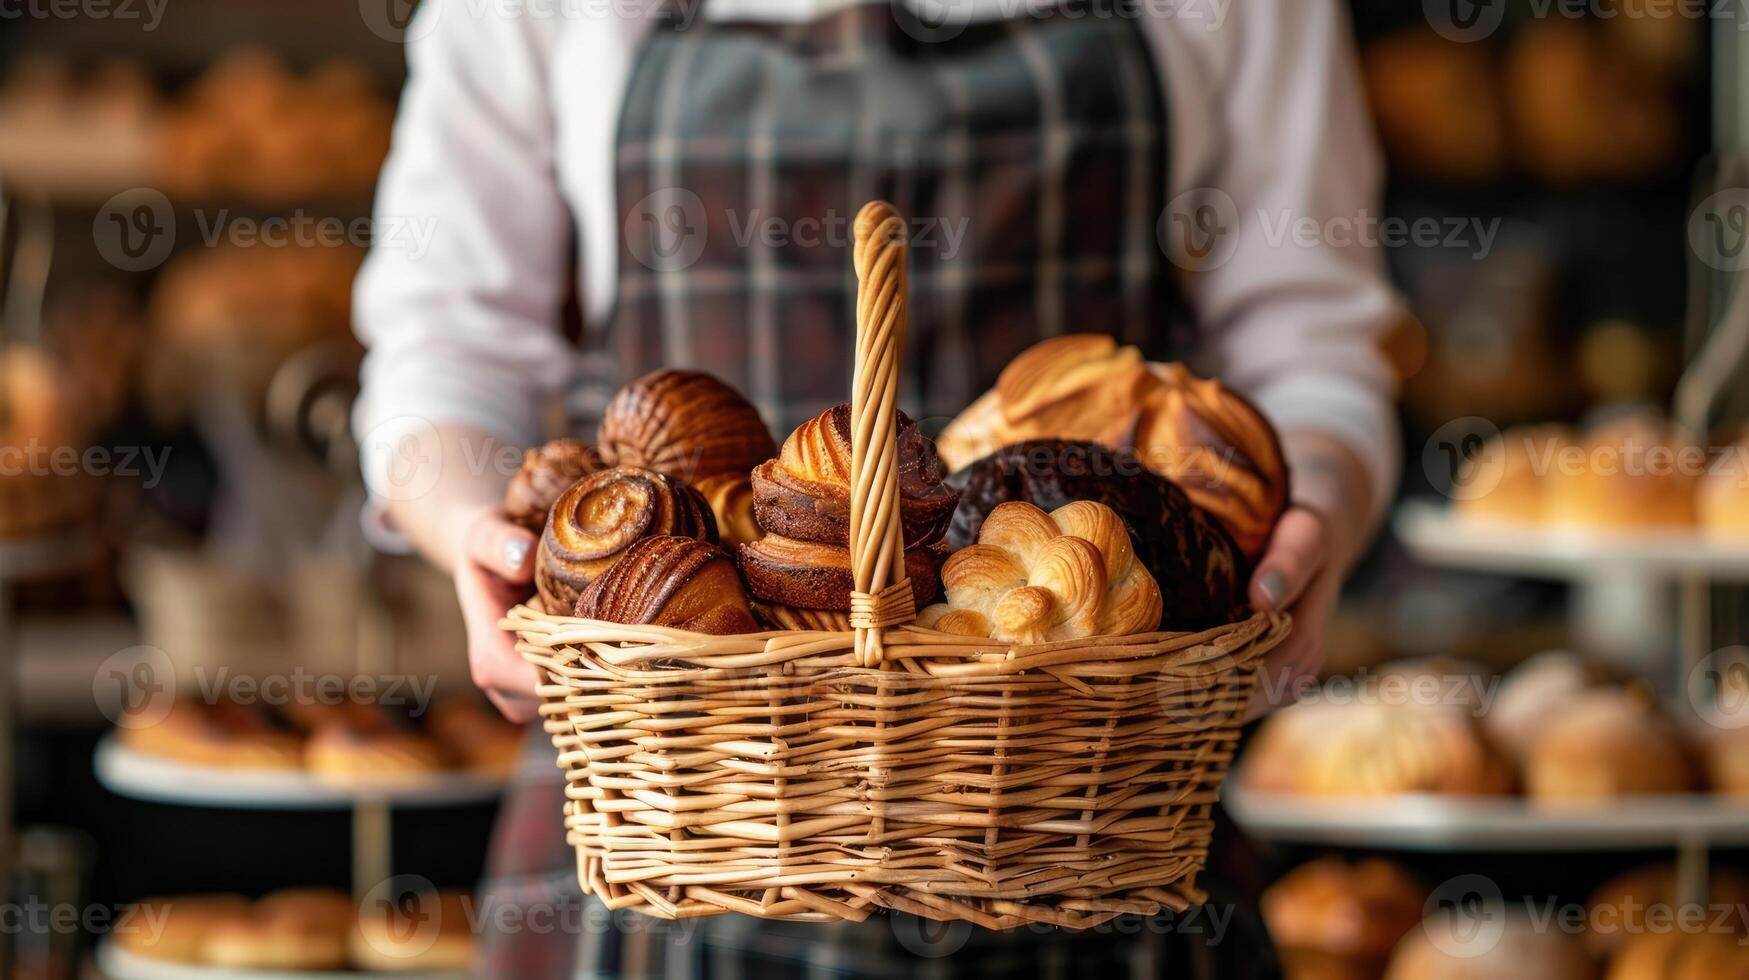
[[1603, 745], [1437, 106], [1725, 751], [1621, 363], [303, 929], [1369, 748], [349, 754], [1724, 493], [1531, 692], [1335, 920], [1490, 943], [1636, 472], [174, 929], [1633, 901], [423, 932], [1507, 478], [1668, 953], [475, 738]]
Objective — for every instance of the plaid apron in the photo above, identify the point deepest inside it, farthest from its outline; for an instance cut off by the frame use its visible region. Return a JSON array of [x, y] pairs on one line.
[[1030, 155]]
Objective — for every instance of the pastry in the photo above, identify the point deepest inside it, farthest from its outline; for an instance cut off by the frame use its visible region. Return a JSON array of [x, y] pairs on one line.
[[1192, 558], [1489, 944], [1078, 386], [1635, 472], [731, 498], [1632, 901], [283, 932], [782, 571], [1726, 752], [1370, 748], [475, 738], [1035, 577], [1673, 952], [1219, 450], [1724, 494], [680, 583], [225, 735], [1507, 478], [805, 492], [433, 933], [1530, 693], [347, 754], [1437, 106], [173, 929], [547, 473], [1333, 920], [684, 424], [1601, 745], [603, 514]]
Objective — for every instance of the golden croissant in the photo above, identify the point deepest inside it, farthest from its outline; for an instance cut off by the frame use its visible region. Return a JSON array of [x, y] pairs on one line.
[[1035, 577]]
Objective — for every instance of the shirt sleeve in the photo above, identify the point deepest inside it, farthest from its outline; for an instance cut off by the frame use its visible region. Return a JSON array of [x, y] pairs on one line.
[[459, 299], [1291, 296]]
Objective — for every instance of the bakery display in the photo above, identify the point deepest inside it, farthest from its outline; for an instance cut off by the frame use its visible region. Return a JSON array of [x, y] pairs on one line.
[[680, 583], [1631, 474], [1530, 693], [1219, 449], [1200, 571], [174, 929], [1635, 900], [351, 754], [299, 929], [600, 516], [1035, 577], [1601, 745], [1723, 501], [1332, 919], [1508, 478], [686, 425], [1369, 749], [546, 473], [432, 933], [1491, 943]]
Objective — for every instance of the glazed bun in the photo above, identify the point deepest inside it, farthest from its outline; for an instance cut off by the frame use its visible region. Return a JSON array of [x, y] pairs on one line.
[[681, 583], [602, 515], [686, 425], [805, 492], [1602, 745], [546, 473], [1035, 577], [1191, 557], [1335, 920], [1219, 450]]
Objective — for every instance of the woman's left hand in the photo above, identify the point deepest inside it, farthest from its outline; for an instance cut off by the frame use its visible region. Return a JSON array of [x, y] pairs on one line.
[[1300, 574]]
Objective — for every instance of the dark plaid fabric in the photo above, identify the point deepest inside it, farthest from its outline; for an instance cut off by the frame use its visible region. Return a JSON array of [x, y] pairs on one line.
[[1031, 157]]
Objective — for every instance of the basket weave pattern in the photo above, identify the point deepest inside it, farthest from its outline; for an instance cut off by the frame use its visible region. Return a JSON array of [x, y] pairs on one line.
[[822, 775]]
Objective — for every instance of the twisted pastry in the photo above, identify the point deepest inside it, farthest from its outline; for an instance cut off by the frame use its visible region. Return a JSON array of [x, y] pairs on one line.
[[546, 473], [683, 583], [684, 424], [731, 498], [602, 515], [1220, 450], [805, 492], [1035, 577]]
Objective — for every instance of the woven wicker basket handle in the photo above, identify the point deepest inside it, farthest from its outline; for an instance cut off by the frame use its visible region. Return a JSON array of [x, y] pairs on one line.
[[882, 596]]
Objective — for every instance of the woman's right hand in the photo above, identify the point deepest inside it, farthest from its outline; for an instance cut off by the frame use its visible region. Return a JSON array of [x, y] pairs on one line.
[[493, 574]]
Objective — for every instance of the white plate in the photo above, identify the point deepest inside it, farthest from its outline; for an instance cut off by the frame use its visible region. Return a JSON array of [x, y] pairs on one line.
[[146, 777], [119, 964], [1423, 822], [1437, 535]]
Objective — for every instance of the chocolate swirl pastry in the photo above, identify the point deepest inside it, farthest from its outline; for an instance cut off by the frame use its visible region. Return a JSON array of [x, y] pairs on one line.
[[682, 583], [602, 515], [1199, 568], [805, 492], [685, 424], [546, 473], [809, 575]]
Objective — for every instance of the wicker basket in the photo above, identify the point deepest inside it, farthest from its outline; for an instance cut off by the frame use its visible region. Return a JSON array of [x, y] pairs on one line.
[[822, 775]]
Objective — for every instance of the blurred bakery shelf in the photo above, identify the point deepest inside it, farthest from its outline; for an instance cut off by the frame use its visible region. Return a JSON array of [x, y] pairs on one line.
[[133, 774], [116, 963], [1437, 536], [1426, 822]]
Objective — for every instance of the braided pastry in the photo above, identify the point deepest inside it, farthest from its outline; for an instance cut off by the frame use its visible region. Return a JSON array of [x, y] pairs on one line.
[[684, 424], [602, 515], [805, 492], [683, 583], [546, 473], [1035, 577]]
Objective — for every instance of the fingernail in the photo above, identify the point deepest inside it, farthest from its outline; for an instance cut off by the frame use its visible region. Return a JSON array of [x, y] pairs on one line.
[[1273, 586], [515, 553]]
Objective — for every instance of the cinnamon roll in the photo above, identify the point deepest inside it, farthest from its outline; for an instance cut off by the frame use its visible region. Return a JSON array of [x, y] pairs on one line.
[[602, 515], [546, 473], [805, 492], [683, 583], [809, 575], [685, 424]]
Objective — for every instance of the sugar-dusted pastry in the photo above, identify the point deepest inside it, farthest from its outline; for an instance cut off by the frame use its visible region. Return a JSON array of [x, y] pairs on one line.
[[682, 583], [602, 515], [1191, 556], [1219, 449], [731, 498], [684, 424], [546, 473], [1034, 577], [805, 492]]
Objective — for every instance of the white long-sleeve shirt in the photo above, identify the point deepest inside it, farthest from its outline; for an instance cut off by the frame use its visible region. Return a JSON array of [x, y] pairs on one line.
[[505, 143]]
